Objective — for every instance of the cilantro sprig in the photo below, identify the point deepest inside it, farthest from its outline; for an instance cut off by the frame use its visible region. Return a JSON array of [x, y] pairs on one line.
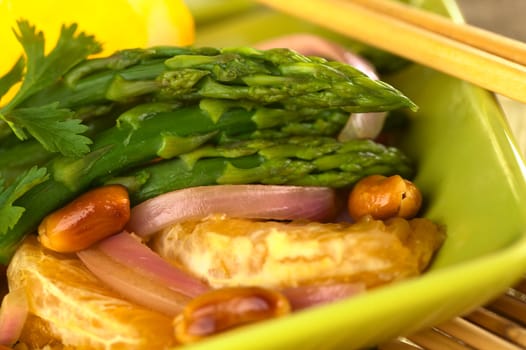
[[54, 127], [10, 213]]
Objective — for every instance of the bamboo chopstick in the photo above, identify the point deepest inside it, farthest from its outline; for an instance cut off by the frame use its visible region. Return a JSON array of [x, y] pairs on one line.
[[496, 44], [412, 41]]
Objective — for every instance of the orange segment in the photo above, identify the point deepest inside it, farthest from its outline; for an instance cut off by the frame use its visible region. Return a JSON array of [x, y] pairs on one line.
[[69, 305]]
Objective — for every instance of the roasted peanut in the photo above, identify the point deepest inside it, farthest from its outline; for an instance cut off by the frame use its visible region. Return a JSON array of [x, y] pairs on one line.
[[89, 218], [384, 197], [222, 309]]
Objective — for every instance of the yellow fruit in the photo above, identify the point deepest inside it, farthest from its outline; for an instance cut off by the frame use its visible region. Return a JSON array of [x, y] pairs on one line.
[[117, 24], [69, 305]]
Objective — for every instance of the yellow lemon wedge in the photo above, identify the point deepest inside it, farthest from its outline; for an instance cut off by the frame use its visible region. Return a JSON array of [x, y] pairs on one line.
[[117, 24]]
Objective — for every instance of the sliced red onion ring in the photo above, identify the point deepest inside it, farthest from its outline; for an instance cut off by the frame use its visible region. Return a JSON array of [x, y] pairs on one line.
[[307, 296], [248, 201], [13, 315], [140, 275], [359, 125], [129, 251]]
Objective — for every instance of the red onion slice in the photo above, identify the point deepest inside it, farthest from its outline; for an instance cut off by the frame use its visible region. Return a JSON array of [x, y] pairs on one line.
[[247, 201], [359, 125], [128, 251], [307, 296], [13, 314], [140, 275]]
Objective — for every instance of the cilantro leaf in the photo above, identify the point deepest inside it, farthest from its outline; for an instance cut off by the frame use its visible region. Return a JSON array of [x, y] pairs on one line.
[[12, 77], [44, 70], [10, 213], [54, 128]]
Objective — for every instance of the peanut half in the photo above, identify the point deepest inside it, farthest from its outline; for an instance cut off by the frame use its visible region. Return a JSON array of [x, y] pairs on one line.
[[96, 214], [384, 197], [222, 309]]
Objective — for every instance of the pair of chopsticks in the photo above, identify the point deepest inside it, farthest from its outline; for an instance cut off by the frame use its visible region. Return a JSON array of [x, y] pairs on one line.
[[483, 58]]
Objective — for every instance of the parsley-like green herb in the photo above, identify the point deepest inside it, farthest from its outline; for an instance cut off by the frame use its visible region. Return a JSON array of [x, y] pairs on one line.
[[52, 126], [12, 77], [10, 213]]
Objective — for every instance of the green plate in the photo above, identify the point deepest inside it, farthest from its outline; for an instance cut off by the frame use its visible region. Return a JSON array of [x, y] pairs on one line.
[[472, 175]]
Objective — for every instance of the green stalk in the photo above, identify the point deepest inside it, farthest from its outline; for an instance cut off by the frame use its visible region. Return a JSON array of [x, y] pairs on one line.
[[17, 157], [279, 77], [305, 161], [142, 135], [276, 76], [189, 74]]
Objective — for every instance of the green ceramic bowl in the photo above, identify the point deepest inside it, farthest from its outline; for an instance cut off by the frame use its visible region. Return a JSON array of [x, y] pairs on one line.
[[472, 176]]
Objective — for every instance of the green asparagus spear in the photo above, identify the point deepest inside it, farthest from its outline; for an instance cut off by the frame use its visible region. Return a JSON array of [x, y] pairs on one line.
[[142, 134], [87, 83], [189, 74], [305, 161], [18, 157], [272, 76], [327, 123]]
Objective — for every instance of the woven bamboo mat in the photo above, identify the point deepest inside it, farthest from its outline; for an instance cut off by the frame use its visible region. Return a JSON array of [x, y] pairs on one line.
[[499, 325]]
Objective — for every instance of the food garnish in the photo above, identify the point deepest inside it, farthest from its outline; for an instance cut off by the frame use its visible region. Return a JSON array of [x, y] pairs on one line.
[[50, 124], [10, 213]]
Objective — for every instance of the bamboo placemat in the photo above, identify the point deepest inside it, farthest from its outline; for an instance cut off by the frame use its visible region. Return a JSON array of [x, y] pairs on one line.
[[499, 325]]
